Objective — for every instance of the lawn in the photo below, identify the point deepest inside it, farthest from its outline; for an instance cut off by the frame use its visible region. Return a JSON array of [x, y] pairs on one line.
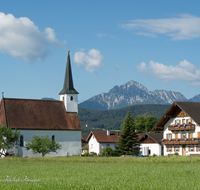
[[100, 173]]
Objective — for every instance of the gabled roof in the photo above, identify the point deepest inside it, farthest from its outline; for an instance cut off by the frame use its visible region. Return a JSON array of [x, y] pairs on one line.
[[68, 87], [156, 137], [37, 114], [102, 137], [192, 109]]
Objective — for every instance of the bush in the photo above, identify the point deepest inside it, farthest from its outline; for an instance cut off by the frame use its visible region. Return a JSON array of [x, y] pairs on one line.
[[108, 152], [93, 154], [176, 154]]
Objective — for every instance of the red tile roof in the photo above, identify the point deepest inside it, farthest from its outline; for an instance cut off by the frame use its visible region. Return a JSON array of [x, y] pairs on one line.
[[37, 114], [102, 137]]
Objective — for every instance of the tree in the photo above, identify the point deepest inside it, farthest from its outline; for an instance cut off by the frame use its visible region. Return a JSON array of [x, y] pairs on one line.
[[8, 137], [108, 151], [128, 138], [42, 144], [140, 123], [150, 121]]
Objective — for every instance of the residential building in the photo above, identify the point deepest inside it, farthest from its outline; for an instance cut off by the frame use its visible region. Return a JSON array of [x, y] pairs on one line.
[[181, 129]]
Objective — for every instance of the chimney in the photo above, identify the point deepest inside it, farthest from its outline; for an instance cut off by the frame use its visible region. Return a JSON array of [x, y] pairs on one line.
[[108, 132]]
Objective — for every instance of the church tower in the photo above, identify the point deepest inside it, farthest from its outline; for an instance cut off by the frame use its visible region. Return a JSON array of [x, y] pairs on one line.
[[68, 94]]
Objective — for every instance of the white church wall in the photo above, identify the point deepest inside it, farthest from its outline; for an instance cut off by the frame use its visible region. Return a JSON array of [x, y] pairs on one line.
[[69, 140]]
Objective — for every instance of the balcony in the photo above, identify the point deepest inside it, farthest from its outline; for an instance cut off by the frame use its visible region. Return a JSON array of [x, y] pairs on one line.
[[191, 141], [186, 127]]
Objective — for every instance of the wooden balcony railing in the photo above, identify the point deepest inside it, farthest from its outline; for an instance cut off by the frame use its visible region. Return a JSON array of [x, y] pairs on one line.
[[191, 141], [187, 127]]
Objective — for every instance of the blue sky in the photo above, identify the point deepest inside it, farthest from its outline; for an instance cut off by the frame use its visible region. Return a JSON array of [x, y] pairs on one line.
[[155, 43]]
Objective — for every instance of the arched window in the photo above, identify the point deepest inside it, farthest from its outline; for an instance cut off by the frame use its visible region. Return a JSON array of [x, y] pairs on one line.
[[71, 98], [53, 138], [21, 140]]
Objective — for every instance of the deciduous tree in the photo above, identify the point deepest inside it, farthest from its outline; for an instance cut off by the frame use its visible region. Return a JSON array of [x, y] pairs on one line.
[[8, 137], [42, 144]]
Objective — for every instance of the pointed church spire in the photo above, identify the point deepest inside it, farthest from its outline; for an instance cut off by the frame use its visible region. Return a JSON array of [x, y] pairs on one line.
[[68, 87]]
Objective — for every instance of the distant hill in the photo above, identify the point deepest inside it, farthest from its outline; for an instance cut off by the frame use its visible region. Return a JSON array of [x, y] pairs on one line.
[[112, 119], [195, 98], [131, 93], [48, 99]]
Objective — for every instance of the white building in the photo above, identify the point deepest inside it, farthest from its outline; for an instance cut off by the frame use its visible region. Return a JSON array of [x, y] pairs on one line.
[[58, 119], [181, 129], [102, 139], [151, 144]]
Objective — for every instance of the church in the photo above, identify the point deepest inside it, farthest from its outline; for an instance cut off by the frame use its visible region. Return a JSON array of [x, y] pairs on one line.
[[58, 119]]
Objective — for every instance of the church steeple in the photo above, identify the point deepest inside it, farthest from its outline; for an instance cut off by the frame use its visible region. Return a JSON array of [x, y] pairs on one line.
[[68, 87], [68, 94]]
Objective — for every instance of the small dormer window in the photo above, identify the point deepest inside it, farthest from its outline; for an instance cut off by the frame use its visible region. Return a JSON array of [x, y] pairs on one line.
[[71, 98]]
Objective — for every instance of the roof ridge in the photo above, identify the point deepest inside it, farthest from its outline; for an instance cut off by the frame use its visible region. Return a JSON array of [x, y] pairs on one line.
[[31, 99]]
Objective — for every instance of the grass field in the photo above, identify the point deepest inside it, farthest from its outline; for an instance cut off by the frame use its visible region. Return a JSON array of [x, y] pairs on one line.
[[100, 173]]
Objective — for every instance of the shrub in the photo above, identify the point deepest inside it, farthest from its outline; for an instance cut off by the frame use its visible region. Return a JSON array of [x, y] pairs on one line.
[[108, 152], [176, 154]]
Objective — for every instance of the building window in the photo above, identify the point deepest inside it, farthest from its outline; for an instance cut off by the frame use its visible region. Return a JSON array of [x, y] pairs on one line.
[[53, 137], [169, 149], [191, 149], [21, 140], [91, 145], [71, 98], [176, 149], [63, 98], [107, 145], [169, 136], [177, 122], [189, 121], [183, 136]]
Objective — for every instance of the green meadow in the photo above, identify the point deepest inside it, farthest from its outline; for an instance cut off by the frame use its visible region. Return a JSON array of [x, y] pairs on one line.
[[100, 173]]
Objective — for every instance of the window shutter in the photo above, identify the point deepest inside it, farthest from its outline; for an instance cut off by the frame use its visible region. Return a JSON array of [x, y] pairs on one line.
[[174, 148], [193, 148], [176, 135], [178, 148], [191, 135], [166, 136], [196, 148], [170, 136], [167, 149], [181, 135], [175, 121], [191, 120], [186, 120], [198, 134], [188, 149]]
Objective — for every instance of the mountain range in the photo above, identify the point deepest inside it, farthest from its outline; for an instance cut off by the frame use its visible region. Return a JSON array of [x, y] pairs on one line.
[[133, 93]]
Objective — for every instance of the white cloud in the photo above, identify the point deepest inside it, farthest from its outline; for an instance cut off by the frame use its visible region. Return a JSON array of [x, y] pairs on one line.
[[185, 71], [184, 27], [117, 68], [21, 38], [91, 61], [101, 35], [104, 35]]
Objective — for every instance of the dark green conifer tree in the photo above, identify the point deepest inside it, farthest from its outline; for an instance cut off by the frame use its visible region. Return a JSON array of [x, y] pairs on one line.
[[128, 139]]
